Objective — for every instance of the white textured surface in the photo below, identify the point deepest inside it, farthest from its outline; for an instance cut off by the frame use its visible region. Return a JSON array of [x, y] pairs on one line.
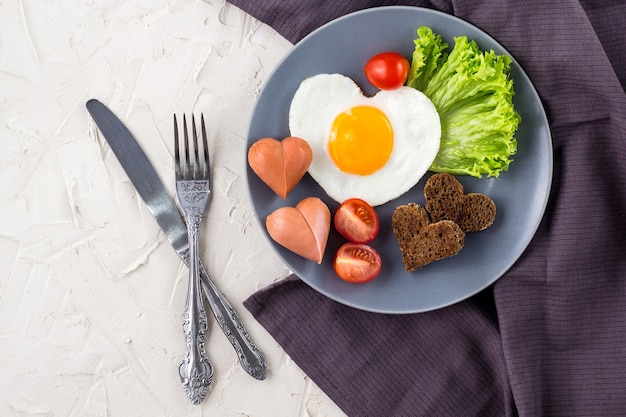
[[91, 293]]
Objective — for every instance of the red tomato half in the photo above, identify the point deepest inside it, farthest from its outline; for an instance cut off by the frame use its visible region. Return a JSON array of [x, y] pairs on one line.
[[388, 70], [357, 263], [357, 221]]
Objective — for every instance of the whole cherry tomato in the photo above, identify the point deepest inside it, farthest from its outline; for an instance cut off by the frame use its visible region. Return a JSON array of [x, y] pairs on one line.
[[357, 221], [387, 70], [357, 263]]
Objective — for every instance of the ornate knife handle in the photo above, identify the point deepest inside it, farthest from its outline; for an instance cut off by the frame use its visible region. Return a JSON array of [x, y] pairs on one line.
[[251, 358]]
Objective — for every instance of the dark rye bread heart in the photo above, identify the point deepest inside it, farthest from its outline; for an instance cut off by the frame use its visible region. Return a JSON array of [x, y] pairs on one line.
[[422, 242], [445, 200]]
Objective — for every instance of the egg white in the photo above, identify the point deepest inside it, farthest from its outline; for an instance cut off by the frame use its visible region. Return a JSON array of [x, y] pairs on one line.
[[414, 120]]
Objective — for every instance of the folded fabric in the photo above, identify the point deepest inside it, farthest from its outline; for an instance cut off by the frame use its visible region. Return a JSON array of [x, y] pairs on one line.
[[549, 337]]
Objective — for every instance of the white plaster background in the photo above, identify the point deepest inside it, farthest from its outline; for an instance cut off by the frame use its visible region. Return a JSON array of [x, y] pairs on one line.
[[91, 293]]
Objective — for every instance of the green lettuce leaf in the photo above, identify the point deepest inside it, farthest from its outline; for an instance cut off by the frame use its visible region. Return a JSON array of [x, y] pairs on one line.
[[473, 93]]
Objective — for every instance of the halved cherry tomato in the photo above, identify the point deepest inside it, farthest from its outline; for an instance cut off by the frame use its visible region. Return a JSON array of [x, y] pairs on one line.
[[357, 263], [387, 70], [357, 221]]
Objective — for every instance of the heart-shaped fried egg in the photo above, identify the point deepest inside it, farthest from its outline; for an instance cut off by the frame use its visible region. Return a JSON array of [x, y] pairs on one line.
[[374, 148]]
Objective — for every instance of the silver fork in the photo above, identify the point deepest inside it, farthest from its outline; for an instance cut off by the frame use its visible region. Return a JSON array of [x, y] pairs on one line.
[[193, 189]]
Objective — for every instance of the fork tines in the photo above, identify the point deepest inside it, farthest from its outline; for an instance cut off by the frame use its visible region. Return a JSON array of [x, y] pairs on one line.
[[199, 168]]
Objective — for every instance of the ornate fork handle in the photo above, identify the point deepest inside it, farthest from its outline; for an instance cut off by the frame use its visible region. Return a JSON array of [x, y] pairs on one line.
[[196, 372]]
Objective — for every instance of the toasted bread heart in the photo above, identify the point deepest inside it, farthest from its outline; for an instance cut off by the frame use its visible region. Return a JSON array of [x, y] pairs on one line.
[[280, 164], [302, 229], [422, 242], [445, 200]]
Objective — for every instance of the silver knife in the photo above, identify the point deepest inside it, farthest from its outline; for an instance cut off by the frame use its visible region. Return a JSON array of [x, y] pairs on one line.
[[153, 192]]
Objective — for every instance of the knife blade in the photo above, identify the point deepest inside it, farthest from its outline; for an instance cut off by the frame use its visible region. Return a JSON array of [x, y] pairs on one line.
[[154, 194]]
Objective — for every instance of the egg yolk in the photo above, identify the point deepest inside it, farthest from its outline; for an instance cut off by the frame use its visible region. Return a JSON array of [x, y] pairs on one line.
[[361, 140]]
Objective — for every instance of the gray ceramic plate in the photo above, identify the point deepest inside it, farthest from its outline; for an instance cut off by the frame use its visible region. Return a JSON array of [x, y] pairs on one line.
[[343, 46]]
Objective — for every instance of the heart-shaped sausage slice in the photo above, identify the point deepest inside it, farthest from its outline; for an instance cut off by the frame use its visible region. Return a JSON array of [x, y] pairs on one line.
[[280, 164], [422, 242], [445, 200], [302, 229]]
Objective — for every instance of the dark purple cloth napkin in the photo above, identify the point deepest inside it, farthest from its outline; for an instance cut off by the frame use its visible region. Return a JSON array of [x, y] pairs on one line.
[[549, 338]]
